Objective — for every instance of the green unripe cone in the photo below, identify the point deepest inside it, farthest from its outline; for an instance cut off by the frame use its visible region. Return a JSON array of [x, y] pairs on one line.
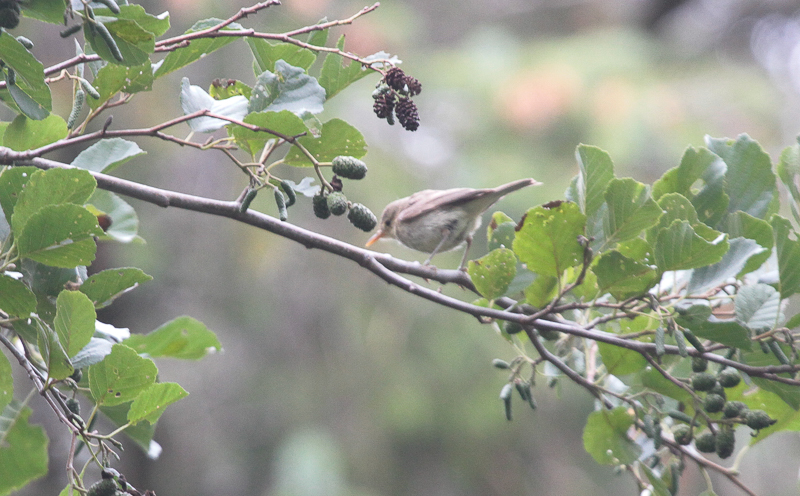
[[758, 419], [337, 203], [713, 403], [718, 389], [705, 442], [733, 409], [320, 204], [703, 381], [682, 434], [103, 487], [549, 334], [362, 217], [729, 378], [74, 406], [725, 442], [699, 364], [512, 327], [349, 167]]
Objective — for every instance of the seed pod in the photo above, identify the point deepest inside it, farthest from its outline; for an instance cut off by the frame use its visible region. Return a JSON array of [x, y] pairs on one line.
[[713, 403], [734, 409], [77, 106], [70, 30], [74, 406], [89, 88], [549, 334], [9, 17], [11, 79], [659, 341], [77, 374], [758, 419], [705, 442], [778, 352], [103, 487], [703, 381], [682, 434], [677, 415], [349, 167], [725, 442], [500, 364], [28, 44], [362, 217], [249, 196], [718, 389], [505, 395], [291, 196], [102, 30], [280, 201], [694, 341], [111, 4], [649, 426], [699, 364], [320, 204], [512, 327], [337, 203], [729, 378], [523, 389], [680, 341]]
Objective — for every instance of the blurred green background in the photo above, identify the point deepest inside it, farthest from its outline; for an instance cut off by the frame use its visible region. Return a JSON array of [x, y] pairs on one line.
[[332, 382]]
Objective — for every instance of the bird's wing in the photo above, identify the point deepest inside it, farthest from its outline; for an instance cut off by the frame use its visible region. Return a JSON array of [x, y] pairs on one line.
[[420, 202]]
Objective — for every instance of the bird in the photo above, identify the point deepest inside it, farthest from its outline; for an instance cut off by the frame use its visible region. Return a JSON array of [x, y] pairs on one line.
[[435, 221]]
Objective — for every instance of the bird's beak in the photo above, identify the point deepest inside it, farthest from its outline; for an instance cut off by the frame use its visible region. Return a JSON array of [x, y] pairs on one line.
[[375, 237]]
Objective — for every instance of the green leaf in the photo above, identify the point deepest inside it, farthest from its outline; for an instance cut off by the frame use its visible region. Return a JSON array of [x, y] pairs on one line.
[[37, 102], [659, 486], [121, 376], [623, 277], [107, 285], [198, 48], [336, 138], [319, 37], [151, 402], [124, 221], [596, 172], [547, 243], [12, 180], [134, 42], [51, 11], [679, 247], [788, 418], [501, 231], [287, 88], [653, 380], [74, 322], [194, 98], [742, 224], [336, 76], [788, 253], [493, 273], [60, 235], [727, 332], [52, 350], [106, 155], [789, 173], [620, 361], [758, 307], [183, 337], [16, 299], [27, 134], [253, 142], [24, 102], [51, 187], [156, 25], [749, 180], [6, 382], [94, 352], [605, 437], [267, 54], [141, 433], [630, 210], [703, 167], [23, 452], [113, 78], [733, 262], [221, 89], [541, 291]]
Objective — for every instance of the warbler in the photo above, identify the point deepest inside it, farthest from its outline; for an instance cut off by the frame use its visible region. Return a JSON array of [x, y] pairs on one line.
[[434, 221]]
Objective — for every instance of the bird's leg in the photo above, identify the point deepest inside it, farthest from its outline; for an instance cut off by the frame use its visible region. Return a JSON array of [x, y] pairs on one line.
[[445, 236], [463, 265]]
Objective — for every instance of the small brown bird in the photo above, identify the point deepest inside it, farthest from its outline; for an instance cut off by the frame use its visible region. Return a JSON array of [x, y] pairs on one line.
[[434, 221]]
